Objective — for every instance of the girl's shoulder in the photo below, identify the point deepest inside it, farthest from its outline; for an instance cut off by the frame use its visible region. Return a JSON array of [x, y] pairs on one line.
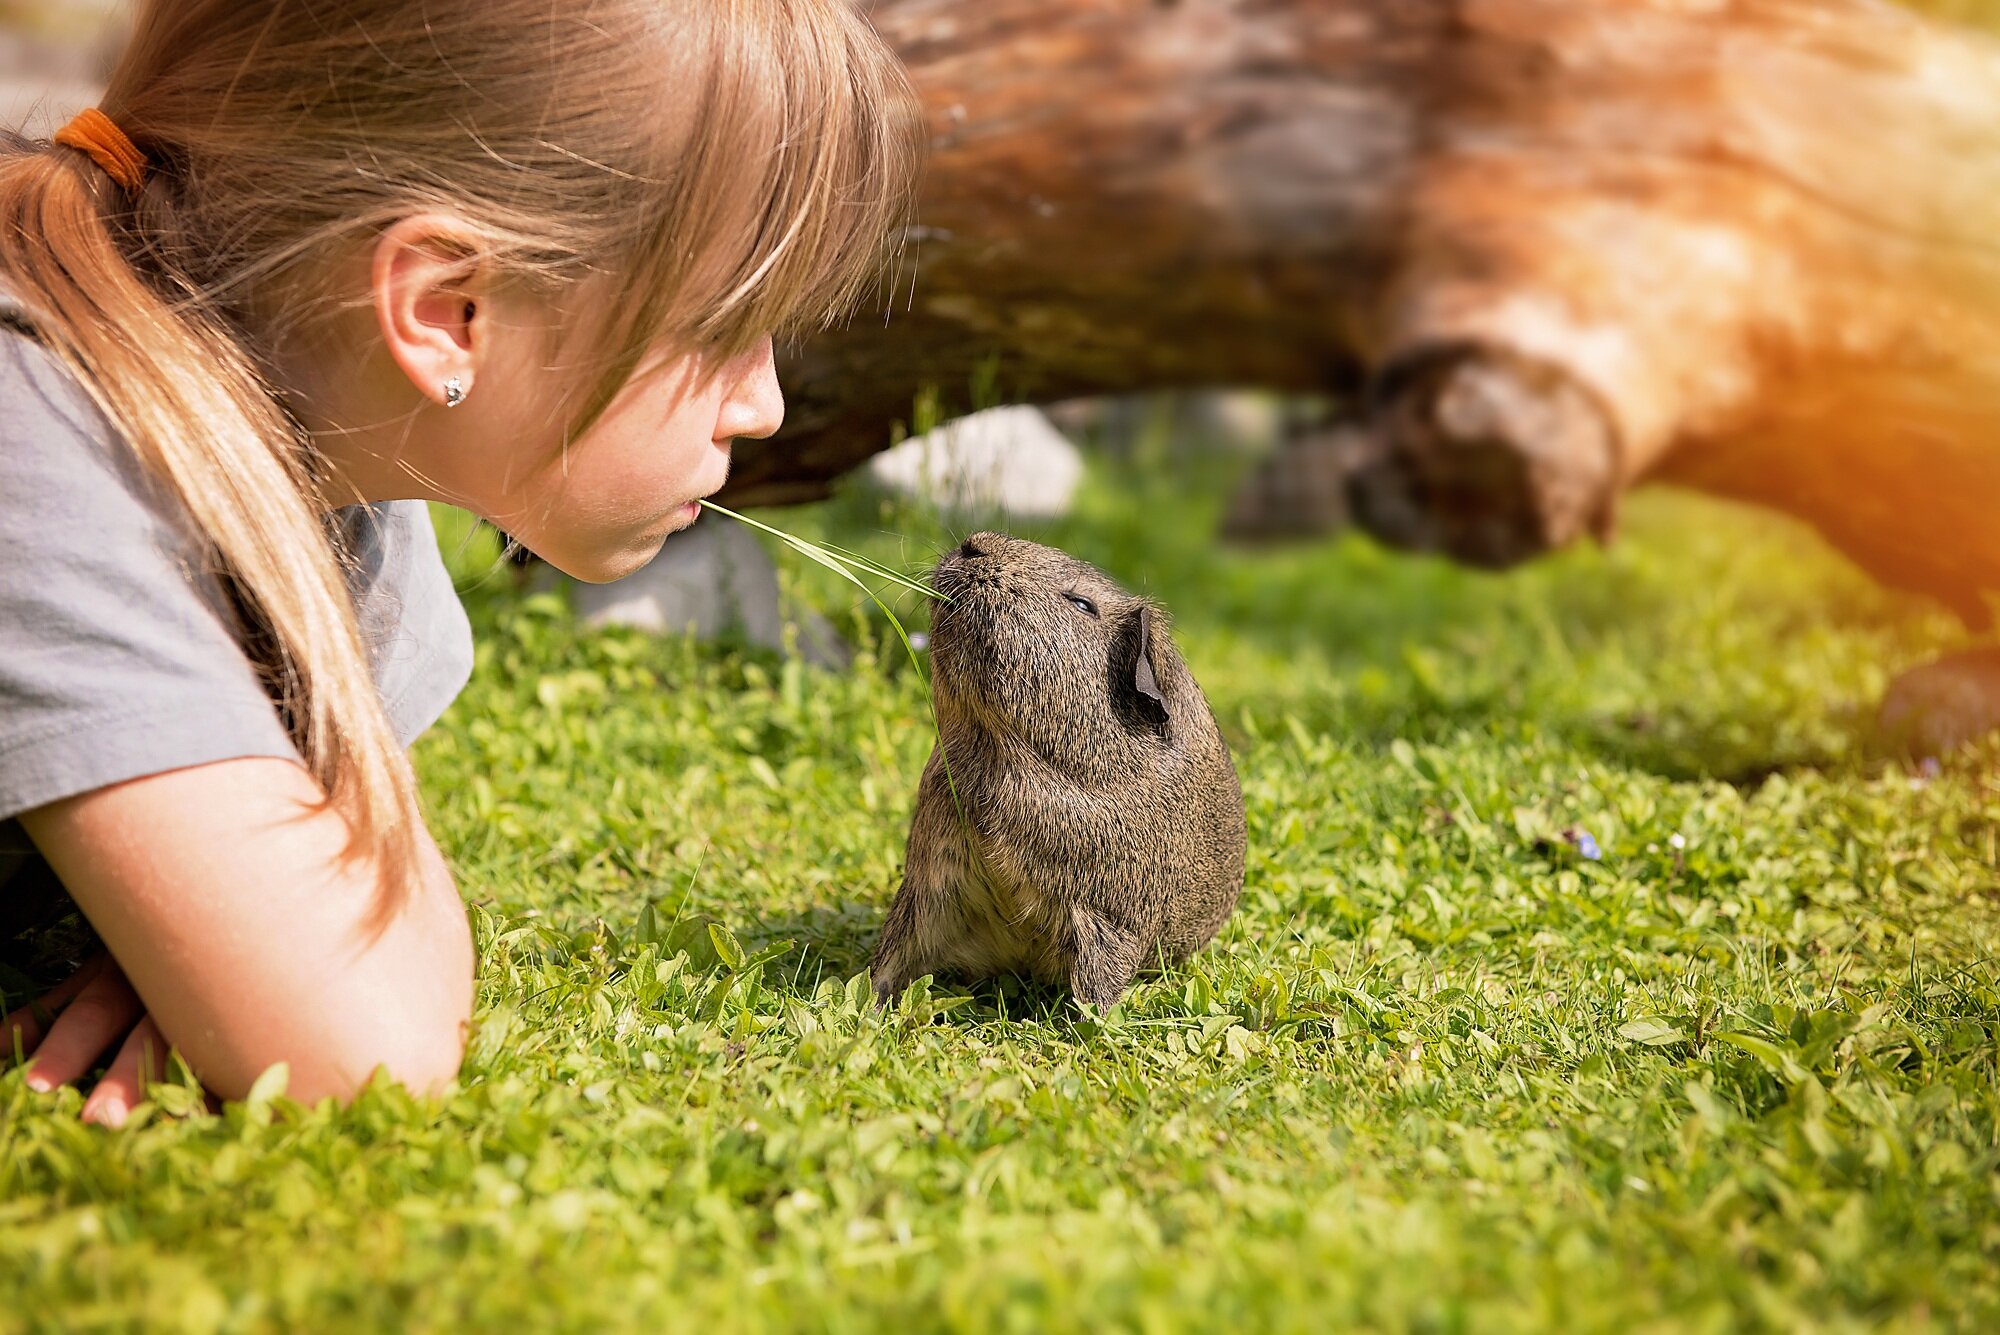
[[121, 657]]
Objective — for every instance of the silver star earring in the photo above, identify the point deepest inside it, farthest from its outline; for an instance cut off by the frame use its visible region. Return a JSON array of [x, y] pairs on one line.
[[454, 392]]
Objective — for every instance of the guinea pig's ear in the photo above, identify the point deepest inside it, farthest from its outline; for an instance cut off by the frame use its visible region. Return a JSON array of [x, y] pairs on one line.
[[1143, 677], [1152, 700]]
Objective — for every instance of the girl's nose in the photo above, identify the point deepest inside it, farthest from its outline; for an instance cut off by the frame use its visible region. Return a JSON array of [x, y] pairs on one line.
[[754, 406]]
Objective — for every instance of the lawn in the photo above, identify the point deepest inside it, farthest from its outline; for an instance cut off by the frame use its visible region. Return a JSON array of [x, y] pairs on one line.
[[1442, 1072]]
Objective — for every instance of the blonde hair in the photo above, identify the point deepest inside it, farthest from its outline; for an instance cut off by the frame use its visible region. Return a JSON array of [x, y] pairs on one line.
[[724, 168]]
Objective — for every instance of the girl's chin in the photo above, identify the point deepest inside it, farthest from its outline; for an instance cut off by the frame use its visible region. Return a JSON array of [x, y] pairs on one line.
[[619, 558]]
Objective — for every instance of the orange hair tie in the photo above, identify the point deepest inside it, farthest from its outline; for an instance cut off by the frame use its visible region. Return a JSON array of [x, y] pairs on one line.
[[109, 147]]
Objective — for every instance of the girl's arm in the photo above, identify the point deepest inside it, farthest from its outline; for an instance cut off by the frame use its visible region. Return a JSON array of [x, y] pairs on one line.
[[227, 895]]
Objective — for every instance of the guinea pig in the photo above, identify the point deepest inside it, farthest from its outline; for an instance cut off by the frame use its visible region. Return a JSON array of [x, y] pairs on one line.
[[1080, 817]]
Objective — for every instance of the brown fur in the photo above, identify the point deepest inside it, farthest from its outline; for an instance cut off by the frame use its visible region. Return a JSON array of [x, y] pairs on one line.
[[1097, 829]]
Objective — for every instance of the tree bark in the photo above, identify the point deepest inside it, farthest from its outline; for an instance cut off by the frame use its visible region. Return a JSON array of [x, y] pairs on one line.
[[1551, 249]]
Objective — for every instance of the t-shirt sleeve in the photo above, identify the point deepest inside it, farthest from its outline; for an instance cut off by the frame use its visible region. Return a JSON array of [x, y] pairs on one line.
[[117, 657]]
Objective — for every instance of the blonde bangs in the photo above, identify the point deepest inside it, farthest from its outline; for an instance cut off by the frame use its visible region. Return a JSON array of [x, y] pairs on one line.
[[837, 182], [791, 183]]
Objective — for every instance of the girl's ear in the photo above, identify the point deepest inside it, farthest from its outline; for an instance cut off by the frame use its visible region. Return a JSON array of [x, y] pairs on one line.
[[424, 282]]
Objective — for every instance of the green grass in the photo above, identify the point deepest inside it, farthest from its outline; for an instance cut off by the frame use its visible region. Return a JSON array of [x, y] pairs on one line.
[[1439, 1073]]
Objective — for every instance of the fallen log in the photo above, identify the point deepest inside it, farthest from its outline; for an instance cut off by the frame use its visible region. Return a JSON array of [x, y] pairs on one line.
[[1547, 250]]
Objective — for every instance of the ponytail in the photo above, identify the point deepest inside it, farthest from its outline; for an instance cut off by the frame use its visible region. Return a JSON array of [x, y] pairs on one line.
[[172, 377]]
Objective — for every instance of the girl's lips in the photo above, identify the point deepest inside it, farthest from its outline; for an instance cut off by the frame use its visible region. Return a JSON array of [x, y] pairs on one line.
[[676, 519]]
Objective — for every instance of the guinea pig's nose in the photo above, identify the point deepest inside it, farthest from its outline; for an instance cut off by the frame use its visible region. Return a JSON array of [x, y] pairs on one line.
[[969, 549]]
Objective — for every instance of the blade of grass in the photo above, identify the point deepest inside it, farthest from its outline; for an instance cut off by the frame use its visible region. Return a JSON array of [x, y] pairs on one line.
[[841, 563]]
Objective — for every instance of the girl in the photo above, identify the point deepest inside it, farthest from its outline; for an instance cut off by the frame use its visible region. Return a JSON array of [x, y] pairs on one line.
[[311, 264]]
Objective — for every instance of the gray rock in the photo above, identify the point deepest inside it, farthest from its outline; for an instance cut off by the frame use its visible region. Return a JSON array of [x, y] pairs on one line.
[[707, 581], [1185, 424], [1008, 462], [1300, 491]]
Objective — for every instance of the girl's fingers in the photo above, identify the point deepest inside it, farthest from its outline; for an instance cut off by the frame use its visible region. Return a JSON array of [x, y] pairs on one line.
[[103, 1011], [23, 1030], [141, 1060]]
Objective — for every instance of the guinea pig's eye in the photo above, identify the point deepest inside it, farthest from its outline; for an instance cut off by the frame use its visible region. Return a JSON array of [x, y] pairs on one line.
[[1081, 603]]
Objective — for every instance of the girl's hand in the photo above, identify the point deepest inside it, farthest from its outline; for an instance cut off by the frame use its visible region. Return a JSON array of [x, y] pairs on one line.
[[94, 1009]]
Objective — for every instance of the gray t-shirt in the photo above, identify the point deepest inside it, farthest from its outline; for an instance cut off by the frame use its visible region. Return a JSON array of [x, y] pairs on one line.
[[116, 654]]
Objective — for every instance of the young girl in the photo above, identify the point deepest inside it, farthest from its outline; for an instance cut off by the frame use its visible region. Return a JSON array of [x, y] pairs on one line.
[[311, 264]]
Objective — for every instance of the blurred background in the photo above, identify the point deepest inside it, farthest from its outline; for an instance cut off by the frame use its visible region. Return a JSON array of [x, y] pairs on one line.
[[1258, 485], [53, 54]]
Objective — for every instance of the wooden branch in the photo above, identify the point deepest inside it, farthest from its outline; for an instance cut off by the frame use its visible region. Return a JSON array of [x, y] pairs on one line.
[[1557, 249]]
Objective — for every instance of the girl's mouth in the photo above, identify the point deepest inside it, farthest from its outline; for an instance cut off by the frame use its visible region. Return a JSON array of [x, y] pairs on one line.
[[677, 519]]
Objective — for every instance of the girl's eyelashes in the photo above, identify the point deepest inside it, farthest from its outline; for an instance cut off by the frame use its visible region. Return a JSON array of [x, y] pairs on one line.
[[1081, 603]]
